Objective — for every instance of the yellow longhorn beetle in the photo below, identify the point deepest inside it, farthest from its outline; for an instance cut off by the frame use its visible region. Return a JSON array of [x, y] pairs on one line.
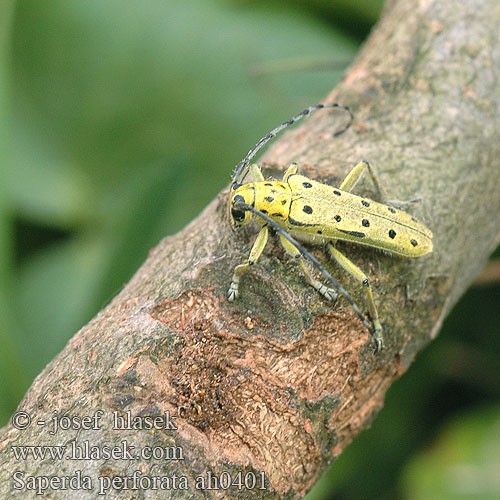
[[299, 208]]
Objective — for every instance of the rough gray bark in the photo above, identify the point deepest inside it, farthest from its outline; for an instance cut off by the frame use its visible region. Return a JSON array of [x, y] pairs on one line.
[[280, 382]]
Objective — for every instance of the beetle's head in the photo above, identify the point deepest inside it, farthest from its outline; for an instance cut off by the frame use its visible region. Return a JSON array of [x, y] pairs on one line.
[[241, 194]]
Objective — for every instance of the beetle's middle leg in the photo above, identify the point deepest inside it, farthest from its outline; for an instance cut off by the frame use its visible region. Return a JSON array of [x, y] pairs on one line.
[[355, 175], [359, 275], [328, 293]]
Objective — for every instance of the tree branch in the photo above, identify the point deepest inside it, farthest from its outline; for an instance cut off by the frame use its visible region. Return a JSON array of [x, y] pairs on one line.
[[280, 381]]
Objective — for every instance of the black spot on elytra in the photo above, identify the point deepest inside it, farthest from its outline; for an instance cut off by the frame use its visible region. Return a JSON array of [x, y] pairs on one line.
[[392, 210], [365, 222], [307, 209], [337, 192], [319, 231], [269, 199], [291, 220], [307, 184], [365, 203], [338, 218], [264, 211], [283, 202], [357, 234], [414, 242], [392, 234]]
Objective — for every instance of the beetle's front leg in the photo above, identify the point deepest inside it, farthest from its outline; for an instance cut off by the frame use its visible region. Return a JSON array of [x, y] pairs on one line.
[[291, 170], [255, 253]]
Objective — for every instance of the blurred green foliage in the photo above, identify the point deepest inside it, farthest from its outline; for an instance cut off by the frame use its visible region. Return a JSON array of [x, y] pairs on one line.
[[125, 120], [120, 121], [464, 463]]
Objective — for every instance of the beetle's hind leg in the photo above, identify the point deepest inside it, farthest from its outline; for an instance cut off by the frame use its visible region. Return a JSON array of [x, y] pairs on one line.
[[358, 274], [328, 293]]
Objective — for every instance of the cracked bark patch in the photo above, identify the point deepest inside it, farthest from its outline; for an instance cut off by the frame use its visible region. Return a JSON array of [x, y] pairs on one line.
[[243, 396]]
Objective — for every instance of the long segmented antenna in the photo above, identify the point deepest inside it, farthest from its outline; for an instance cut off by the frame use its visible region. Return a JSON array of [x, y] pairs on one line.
[[309, 256], [237, 175]]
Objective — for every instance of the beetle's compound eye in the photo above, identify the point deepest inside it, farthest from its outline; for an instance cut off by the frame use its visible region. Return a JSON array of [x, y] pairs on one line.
[[238, 215]]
